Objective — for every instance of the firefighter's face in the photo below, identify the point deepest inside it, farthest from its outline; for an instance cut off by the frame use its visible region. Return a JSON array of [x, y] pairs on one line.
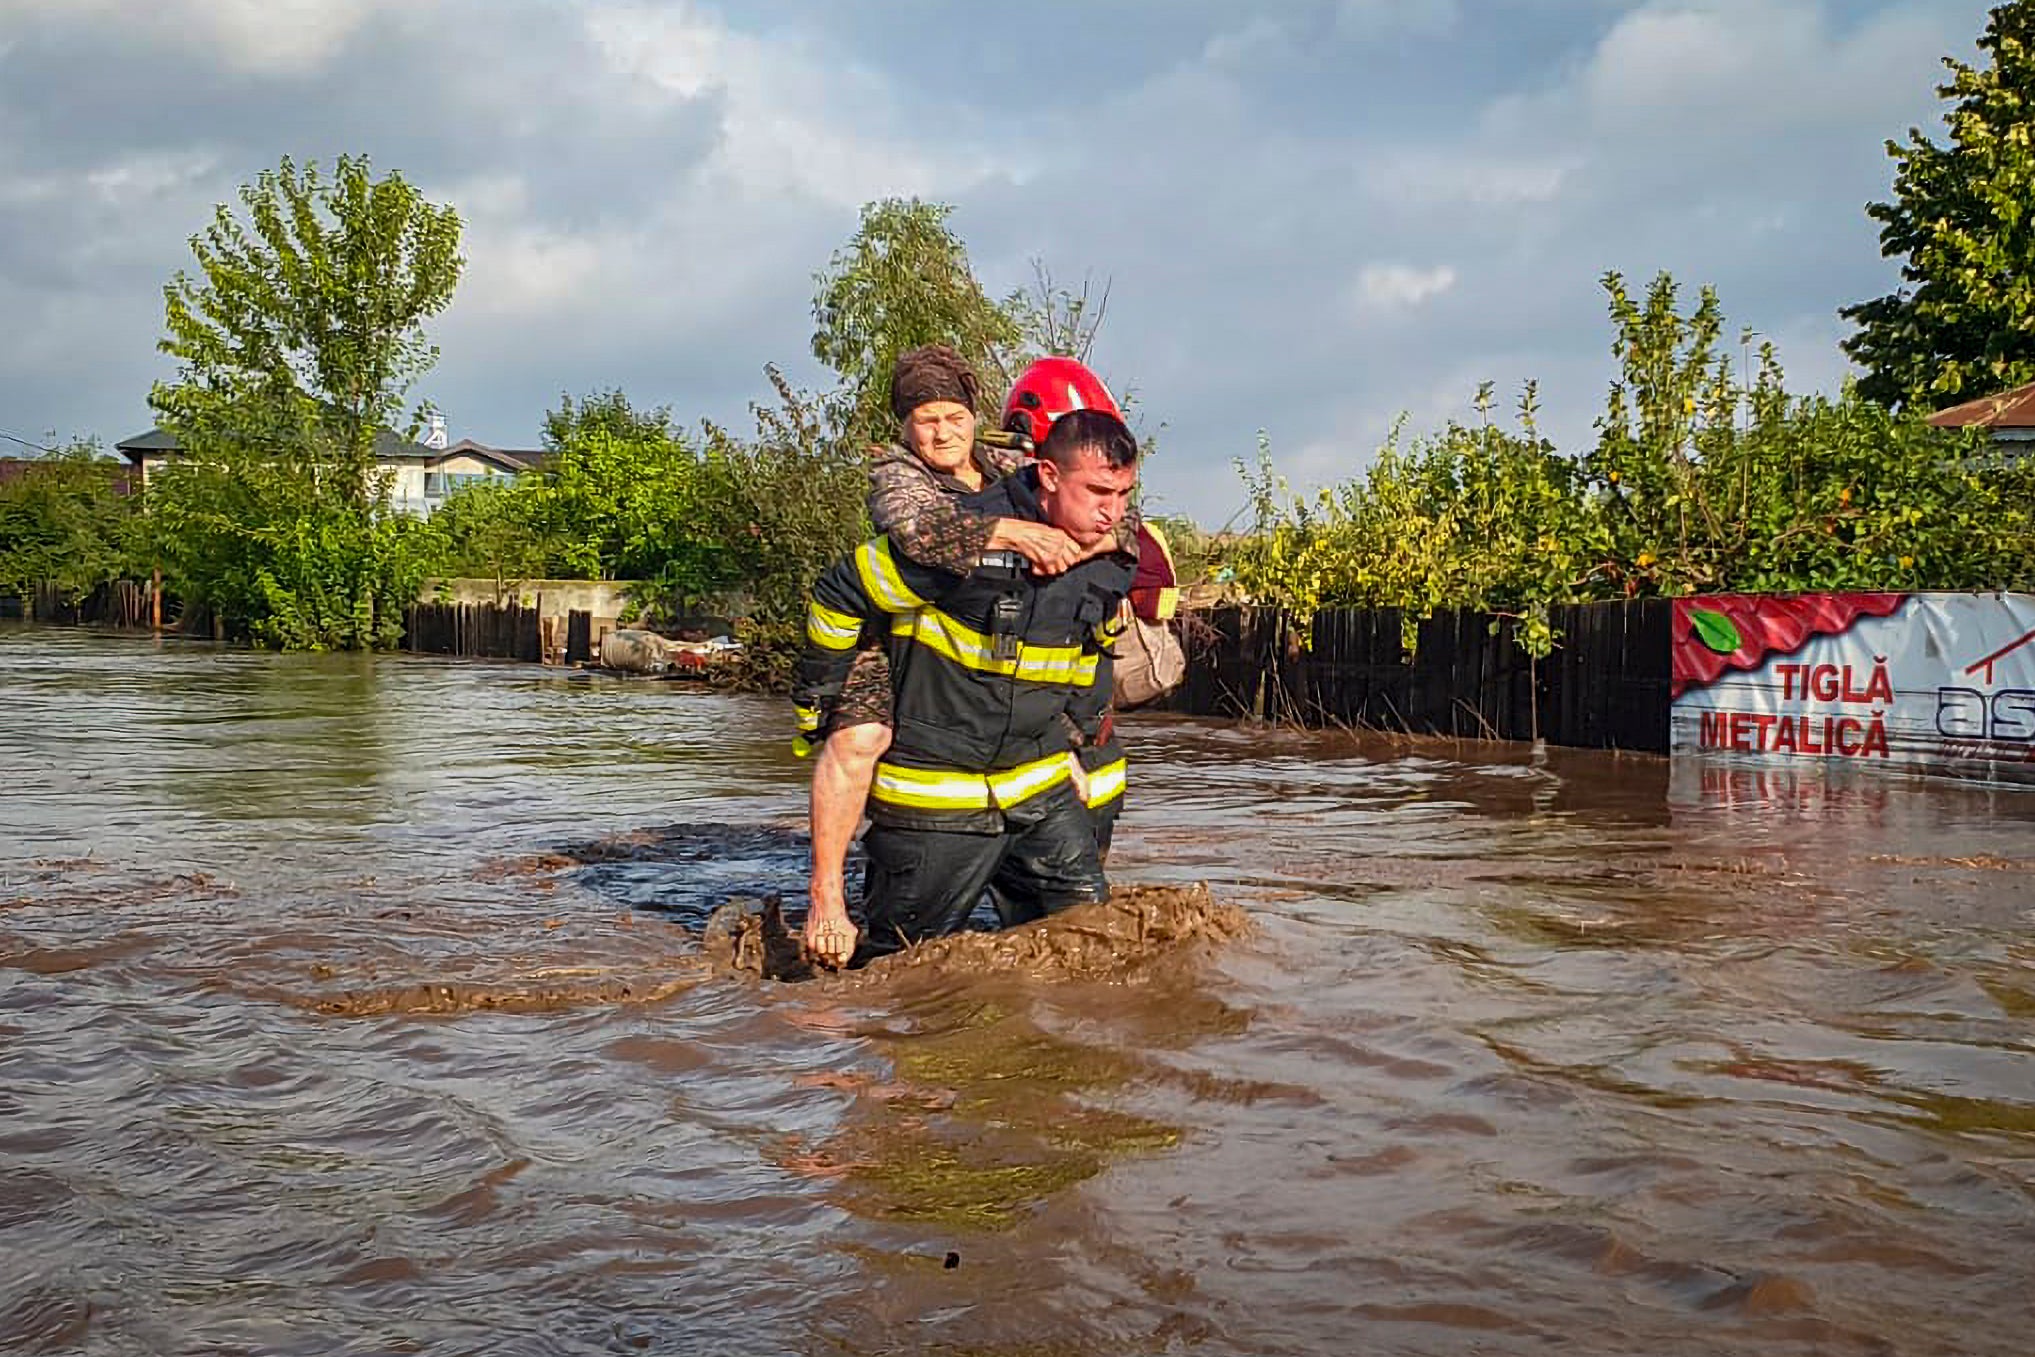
[[942, 433], [1087, 500]]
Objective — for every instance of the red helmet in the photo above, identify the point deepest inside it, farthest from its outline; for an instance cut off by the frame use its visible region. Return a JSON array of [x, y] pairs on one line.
[[1049, 389]]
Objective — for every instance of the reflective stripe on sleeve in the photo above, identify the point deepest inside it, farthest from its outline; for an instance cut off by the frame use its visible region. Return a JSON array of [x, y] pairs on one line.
[[880, 579], [831, 630], [1106, 784]]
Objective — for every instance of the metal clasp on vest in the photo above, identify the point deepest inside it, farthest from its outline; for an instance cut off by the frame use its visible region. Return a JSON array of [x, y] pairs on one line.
[[1006, 626]]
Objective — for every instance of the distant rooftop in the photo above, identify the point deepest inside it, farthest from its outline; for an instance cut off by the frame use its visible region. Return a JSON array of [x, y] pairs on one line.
[[389, 447], [2013, 409]]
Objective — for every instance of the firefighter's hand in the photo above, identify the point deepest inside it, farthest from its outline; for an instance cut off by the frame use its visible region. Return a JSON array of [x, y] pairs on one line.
[[1050, 551], [829, 937], [1080, 777]]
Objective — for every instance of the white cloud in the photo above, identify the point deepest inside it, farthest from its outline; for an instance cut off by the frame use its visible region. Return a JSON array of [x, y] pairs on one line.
[[1292, 221], [1371, 20], [1241, 46], [1448, 176], [136, 180], [277, 38], [1398, 287], [792, 120]]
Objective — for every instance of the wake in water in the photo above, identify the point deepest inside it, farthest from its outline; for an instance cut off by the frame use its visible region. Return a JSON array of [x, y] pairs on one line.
[[703, 901], [1135, 928]]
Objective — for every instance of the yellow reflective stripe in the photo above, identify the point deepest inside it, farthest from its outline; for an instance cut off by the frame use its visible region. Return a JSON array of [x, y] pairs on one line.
[[831, 630], [880, 580], [937, 789], [1106, 783], [802, 748], [1027, 780], [1056, 664], [808, 719], [972, 650], [923, 789], [1169, 603]]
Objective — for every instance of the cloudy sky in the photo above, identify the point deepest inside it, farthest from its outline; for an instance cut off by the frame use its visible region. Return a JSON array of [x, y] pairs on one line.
[[1315, 216]]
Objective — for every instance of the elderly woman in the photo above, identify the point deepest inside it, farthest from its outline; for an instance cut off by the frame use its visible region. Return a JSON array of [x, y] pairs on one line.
[[914, 486]]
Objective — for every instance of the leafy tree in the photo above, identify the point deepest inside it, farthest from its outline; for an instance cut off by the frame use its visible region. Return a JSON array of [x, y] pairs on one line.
[[608, 411], [297, 341], [902, 281], [621, 496], [1700, 481], [783, 506], [1962, 220], [65, 522], [486, 529]]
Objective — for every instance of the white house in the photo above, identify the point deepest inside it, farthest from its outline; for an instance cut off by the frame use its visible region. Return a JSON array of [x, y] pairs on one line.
[[2008, 418], [422, 474]]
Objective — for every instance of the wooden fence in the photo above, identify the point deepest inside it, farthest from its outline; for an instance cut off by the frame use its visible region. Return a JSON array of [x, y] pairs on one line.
[[122, 603], [1605, 686], [507, 631]]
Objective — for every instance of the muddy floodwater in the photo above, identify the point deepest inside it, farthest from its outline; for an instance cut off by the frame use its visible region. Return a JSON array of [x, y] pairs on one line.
[[362, 1005]]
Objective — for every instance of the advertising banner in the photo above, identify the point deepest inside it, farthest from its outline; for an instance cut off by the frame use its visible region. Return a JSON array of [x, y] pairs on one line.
[[1937, 683]]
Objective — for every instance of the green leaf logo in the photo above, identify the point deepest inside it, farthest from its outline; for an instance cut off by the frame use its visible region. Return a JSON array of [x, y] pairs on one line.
[[1715, 630]]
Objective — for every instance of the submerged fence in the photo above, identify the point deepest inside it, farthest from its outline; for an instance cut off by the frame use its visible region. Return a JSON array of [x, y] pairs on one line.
[[121, 603], [1606, 685], [507, 631]]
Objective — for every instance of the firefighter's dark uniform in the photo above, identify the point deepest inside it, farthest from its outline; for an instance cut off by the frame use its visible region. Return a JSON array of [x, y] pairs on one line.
[[996, 675]]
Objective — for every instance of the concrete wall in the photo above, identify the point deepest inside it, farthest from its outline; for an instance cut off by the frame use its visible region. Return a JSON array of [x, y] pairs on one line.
[[605, 599]]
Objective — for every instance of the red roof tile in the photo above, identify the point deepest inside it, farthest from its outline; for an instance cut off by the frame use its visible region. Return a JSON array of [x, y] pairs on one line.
[[2008, 410]]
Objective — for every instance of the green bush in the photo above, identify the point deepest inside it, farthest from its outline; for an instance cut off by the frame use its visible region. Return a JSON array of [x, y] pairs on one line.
[[1698, 482]]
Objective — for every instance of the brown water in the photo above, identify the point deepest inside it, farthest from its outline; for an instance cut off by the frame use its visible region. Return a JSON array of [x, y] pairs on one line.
[[357, 1005]]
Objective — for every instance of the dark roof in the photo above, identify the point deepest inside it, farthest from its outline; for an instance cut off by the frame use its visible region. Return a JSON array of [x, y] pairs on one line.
[[155, 440], [2008, 410], [388, 446], [513, 459]]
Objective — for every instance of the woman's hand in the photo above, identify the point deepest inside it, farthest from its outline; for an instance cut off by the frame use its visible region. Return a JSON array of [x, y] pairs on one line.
[[1050, 551]]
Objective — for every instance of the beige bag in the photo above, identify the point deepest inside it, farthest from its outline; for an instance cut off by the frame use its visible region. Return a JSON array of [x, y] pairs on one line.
[[1150, 663]]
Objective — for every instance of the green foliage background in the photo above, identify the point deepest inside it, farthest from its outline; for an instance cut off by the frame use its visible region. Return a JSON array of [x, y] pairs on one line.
[[1963, 221], [65, 524], [1701, 480], [300, 332], [296, 341]]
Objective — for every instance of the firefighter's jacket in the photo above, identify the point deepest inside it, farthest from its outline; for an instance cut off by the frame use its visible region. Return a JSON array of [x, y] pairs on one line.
[[992, 673]]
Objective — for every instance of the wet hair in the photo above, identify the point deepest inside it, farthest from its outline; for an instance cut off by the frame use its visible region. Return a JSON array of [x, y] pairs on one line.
[[1096, 431]]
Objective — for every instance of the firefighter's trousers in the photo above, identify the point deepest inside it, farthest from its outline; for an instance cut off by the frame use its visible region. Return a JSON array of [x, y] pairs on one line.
[[923, 883]]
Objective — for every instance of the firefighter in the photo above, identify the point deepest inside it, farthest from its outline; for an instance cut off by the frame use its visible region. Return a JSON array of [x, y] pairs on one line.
[[916, 485], [996, 678]]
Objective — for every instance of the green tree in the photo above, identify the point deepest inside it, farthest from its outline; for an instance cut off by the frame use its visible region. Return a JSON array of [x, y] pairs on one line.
[[783, 506], [902, 281], [297, 342], [1701, 480], [487, 529], [65, 522], [621, 496], [1963, 220]]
